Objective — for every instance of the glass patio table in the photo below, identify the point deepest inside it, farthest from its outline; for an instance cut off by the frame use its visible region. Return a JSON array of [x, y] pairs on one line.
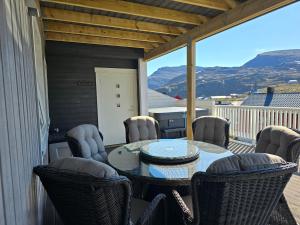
[[170, 162]]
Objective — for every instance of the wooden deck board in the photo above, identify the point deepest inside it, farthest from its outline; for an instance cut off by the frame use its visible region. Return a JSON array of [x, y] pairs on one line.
[[292, 190], [292, 195]]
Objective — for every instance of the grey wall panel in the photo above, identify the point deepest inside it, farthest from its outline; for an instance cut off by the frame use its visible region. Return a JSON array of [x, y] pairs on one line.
[[21, 197], [72, 80], [7, 121]]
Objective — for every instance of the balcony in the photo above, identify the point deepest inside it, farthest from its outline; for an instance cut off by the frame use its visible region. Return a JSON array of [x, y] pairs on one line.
[[247, 121]]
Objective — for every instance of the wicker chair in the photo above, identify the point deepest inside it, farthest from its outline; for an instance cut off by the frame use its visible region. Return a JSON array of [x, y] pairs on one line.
[[97, 197], [86, 141], [279, 140], [237, 196], [140, 128], [284, 142], [211, 129]]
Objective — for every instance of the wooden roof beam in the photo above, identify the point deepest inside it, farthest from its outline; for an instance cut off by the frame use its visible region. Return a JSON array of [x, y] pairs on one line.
[[67, 28], [242, 13], [211, 4], [98, 40], [232, 3], [136, 9], [106, 21]]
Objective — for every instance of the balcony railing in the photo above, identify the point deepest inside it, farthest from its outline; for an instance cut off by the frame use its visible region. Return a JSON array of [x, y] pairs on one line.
[[247, 121]]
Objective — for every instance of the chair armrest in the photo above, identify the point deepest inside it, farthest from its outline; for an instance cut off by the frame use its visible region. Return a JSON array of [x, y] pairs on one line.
[[155, 213], [294, 150], [184, 210]]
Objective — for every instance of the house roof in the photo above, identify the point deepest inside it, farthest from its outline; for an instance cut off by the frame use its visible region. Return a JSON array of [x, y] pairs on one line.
[[273, 100], [156, 26], [157, 99]]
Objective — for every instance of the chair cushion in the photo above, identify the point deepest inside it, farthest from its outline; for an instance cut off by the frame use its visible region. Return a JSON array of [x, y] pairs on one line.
[[141, 128], [210, 129], [91, 144], [275, 140], [86, 166], [245, 162]]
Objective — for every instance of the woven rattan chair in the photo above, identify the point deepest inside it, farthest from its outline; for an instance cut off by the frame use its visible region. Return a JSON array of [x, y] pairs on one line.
[[100, 197], [279, 140], [86, 141], [140, 128], [237, 195], [284, 142], [211, 129]]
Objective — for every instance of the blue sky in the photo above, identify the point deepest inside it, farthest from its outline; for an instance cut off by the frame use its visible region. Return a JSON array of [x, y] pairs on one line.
[[274, 31]]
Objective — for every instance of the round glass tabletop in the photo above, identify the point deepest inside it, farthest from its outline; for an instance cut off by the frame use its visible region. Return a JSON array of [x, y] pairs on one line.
[[168, 151], [127, 161]]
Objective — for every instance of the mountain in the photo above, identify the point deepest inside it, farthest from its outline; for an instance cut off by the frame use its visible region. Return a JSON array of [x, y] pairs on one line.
[[269, 68], [165, 74], [275, 59]]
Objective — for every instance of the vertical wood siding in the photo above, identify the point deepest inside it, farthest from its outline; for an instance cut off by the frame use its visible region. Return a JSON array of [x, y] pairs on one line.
[[21, 194], [72, 80]]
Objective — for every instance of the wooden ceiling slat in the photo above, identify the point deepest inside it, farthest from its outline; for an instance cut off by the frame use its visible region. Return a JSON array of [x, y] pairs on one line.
[[106, 21], [67, 28], [98, 40], [211, 4], [136, 9], [242, 13]]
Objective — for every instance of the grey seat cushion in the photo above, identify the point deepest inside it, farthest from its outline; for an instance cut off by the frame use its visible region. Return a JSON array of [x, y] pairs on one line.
[[210, 129], [276, 140], [140, 128], [90, 143], [245, 162], [86, 166]]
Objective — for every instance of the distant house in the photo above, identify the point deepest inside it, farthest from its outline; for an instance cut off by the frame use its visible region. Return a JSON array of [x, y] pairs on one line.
[[236, 95], [220, 97], [292, 82], [273, 99]]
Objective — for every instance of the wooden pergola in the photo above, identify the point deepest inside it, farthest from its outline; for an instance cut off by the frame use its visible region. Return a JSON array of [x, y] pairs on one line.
[[157, 26]]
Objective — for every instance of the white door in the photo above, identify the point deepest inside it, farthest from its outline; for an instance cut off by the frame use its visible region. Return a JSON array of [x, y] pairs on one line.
[[116, 101]]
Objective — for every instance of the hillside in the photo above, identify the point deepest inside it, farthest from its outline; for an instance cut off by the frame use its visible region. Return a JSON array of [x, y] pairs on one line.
[[283, 88], [270, 68], [163, 75]]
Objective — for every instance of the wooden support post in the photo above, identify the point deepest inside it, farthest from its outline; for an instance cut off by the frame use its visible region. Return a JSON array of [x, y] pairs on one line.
[[191, 87], [143, 87]]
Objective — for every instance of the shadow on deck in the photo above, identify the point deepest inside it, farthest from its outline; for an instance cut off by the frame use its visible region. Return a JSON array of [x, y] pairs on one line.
[[291, 191]]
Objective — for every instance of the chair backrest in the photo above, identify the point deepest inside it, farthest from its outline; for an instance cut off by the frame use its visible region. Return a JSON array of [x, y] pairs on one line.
[[86, 192], [279, 140], [87, 142], [211, 129], [241, 189], [141, 128]]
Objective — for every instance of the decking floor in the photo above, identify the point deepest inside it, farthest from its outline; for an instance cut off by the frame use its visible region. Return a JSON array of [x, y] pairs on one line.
[[292, 195], [292, 190]]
